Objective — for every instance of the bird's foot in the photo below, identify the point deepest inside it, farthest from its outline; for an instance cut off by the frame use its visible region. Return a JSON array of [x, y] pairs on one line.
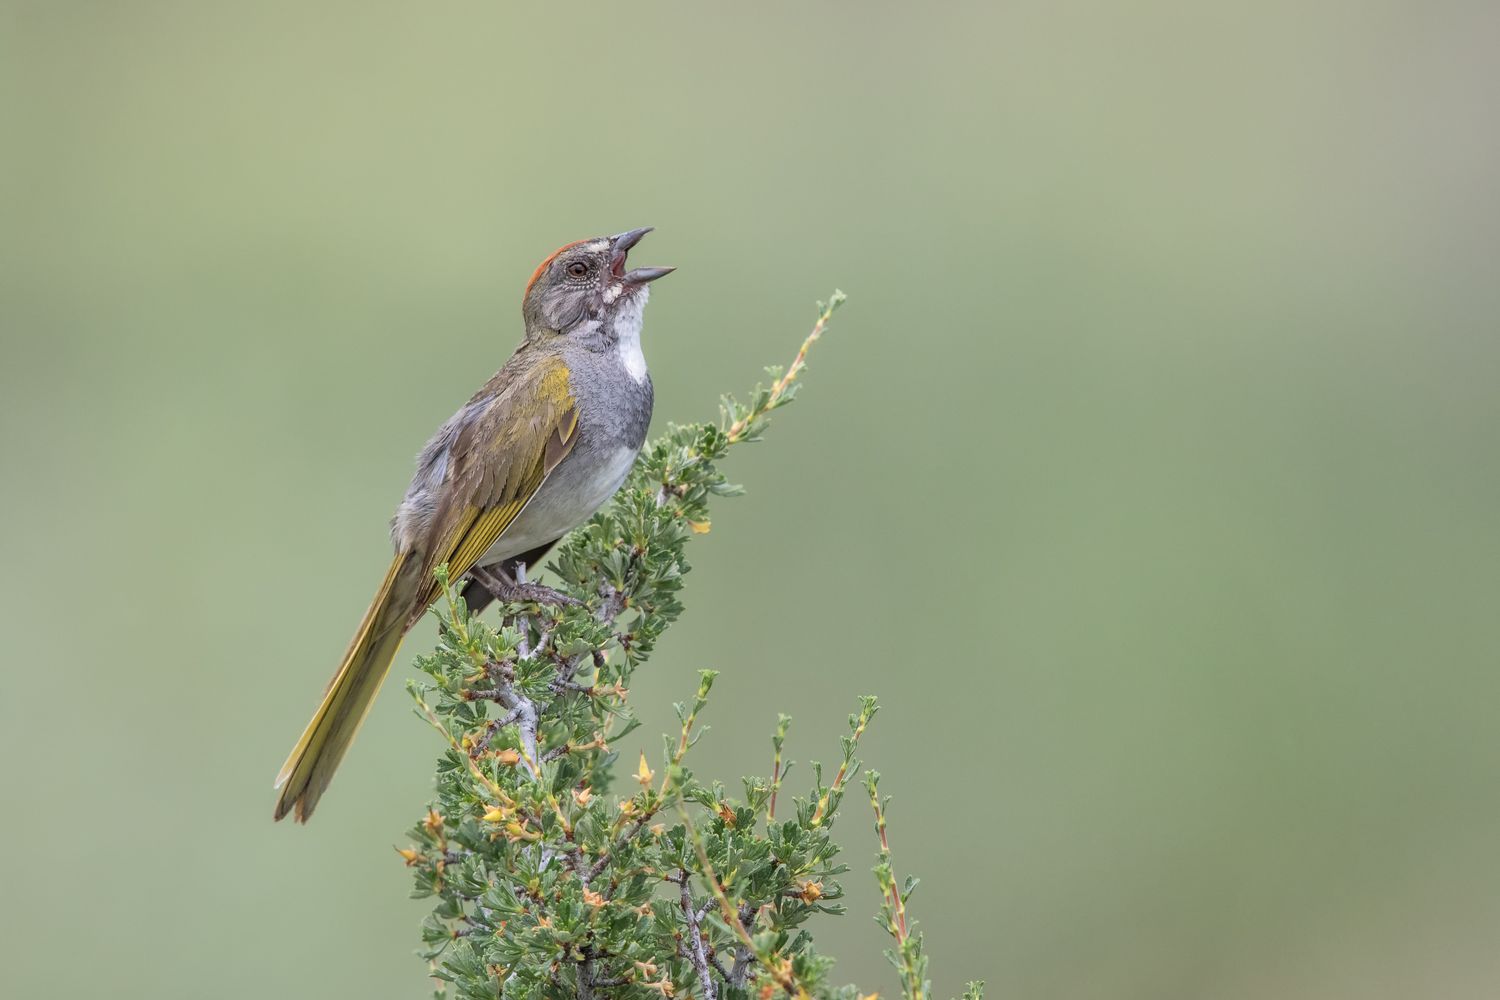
[[535, 593], [497, 582]]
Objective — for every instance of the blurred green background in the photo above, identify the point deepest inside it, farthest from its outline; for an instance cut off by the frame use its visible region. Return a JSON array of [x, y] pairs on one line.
[[1150, 476]]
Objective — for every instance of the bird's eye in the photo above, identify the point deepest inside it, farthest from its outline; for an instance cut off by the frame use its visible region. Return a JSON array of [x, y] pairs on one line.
[[578, 269]]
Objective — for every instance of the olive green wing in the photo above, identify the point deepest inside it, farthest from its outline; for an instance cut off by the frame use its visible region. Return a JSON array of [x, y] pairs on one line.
[[497, 464]]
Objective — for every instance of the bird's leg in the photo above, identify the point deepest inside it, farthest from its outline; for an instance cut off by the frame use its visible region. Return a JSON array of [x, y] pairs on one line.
[[518, 591]]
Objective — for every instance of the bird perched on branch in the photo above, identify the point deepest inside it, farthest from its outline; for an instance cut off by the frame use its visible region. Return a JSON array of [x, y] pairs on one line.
[[547, 440]]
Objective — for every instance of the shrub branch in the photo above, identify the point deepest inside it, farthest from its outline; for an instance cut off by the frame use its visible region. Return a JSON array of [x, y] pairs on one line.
[[555, 871]]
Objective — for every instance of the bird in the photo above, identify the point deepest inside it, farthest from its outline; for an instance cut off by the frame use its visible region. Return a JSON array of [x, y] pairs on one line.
[[532, 455]]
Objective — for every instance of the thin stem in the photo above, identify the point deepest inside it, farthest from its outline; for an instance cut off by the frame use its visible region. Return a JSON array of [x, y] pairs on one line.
[[738, 429], [778, 969], [696, 947]]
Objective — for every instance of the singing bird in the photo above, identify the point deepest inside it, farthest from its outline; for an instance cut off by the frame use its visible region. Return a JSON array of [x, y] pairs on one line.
[[547, 440]]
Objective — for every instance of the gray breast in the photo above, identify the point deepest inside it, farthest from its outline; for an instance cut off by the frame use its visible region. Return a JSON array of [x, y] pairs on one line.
[[614, 412], [613, 407]]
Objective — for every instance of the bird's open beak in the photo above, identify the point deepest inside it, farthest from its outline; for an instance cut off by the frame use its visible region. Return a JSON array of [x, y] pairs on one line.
[[621, 245]]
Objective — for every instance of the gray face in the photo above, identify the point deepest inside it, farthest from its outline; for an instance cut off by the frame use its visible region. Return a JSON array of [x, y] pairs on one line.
[[584, 284]]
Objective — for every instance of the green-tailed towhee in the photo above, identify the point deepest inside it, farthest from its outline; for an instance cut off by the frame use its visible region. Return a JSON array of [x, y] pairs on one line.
[[547, 440]]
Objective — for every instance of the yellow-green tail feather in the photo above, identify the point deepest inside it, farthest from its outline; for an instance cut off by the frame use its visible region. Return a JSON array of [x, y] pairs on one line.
[[310, 766]]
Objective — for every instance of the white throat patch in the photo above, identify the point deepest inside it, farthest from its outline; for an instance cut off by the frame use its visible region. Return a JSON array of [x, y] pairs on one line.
[[628, 331]]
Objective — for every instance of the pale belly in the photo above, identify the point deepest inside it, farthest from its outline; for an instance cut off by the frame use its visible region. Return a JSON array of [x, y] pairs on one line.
[[576, 489]]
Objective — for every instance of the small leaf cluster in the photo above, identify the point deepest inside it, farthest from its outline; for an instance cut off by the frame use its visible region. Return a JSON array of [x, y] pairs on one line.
[[550, 881]]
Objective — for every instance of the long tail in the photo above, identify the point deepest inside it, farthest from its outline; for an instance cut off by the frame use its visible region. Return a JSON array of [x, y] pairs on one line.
[[310, 767]]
